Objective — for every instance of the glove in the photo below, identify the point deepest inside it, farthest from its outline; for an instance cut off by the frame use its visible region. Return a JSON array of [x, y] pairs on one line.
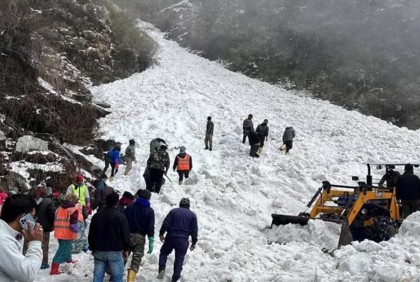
[[74, 227], [151, 241]]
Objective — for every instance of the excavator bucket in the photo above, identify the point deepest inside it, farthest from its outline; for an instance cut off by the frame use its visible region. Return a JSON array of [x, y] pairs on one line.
[[282, 219]]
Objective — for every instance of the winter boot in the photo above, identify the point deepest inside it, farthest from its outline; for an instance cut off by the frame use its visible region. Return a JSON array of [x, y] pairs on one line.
[[111, 178], [161, 274], [131, 275], [206, 148], [210, 149], [54, 269], [180, 182], [45, 265]]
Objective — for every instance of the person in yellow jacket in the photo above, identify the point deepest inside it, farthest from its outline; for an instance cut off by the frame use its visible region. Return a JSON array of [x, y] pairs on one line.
[[79, 188], [183, 164], [65, 230]]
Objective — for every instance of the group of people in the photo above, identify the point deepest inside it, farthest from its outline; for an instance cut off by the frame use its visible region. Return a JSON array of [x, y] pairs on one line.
[[257, 137], [119, 228]]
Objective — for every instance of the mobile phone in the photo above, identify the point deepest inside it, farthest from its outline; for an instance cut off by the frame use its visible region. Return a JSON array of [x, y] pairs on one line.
[[27, 218]]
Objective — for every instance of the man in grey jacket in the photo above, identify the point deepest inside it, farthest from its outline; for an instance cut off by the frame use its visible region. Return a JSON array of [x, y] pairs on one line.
[[288, 135], [248, 127], [14, 265], [208, 141], [130, 156]]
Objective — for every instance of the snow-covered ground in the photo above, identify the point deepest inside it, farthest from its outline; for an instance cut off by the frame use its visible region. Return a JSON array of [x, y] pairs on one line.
[[233, 194]]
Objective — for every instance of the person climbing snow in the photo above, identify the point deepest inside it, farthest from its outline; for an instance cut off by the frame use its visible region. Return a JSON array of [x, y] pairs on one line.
[[159, 164], [288, 136], [262, 132], [130, 156], [183, 164], [113, 158], [208, 141], [254, 142]]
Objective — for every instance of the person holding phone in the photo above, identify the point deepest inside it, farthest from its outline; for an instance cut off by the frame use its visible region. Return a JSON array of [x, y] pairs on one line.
[[16, 223]]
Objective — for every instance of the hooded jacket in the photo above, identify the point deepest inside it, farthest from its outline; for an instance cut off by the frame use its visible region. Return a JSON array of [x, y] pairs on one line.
[[289, 134], [141, 217], [180, 223]]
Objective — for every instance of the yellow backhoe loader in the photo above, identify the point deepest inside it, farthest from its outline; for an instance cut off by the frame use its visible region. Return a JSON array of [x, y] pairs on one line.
[[364, 211]]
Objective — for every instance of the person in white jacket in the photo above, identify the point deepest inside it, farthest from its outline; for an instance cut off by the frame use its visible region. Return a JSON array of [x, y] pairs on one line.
[[14, 266]]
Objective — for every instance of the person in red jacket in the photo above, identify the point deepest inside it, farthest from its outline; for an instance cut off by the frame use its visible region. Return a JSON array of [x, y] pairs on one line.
[[183, 162]]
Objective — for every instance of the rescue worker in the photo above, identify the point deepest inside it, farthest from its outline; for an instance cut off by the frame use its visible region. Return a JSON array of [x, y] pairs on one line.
[[141, 221], [183, 164], [159, 164], [130, 156], [208, 141], [79, 188], [248, 127], [179, 224], [288, 135], [408, 191], [113, 158], [254, 141], [262, 132], [391, 177]]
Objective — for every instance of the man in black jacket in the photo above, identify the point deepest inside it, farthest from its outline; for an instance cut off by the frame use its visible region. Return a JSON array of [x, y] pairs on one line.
[[408, 191], [141, 220], [179, 224], [109, 240], [45, 213], [254, 141]]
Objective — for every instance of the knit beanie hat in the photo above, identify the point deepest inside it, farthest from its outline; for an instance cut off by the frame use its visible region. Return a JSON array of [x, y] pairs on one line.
[[182, 149]]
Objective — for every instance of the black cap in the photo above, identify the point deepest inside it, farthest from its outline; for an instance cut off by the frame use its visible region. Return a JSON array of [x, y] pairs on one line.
[[185, 203], [132, 142]]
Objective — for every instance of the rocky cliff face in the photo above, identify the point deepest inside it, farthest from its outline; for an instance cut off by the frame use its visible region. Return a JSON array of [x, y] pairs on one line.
[[50, 53]]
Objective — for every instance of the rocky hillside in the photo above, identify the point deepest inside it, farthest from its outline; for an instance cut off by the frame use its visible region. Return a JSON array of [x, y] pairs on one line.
[[51, 52]]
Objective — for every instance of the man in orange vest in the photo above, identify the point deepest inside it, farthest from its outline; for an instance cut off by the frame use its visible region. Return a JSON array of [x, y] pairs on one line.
[[184, 163]]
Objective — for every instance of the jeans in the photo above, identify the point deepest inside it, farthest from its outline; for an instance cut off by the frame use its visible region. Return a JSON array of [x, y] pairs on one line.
[[112, 260]]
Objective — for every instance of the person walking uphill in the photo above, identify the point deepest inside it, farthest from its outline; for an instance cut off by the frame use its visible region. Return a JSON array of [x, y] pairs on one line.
[[288, 135], [158, 163], [65, 230], [262, 132], [109, 240], [79, 188], [254, 141], [14, 266], [208, 141], [141, 221], [248, 127], [183, 162], [113, 158], [130, 156], [408, 191], [179, 224]]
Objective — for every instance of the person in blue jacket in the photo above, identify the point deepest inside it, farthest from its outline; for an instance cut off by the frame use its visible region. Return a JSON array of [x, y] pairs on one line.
[[141, 221], [113, 158], [179, 224]]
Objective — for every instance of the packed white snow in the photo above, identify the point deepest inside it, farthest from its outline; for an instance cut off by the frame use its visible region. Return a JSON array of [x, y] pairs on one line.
[[233, 194]]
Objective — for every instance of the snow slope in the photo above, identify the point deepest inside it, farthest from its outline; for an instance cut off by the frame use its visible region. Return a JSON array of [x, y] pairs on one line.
[[233, 194]]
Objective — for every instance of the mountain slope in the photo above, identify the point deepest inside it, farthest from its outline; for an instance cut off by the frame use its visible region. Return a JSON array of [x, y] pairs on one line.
[[234, 194]]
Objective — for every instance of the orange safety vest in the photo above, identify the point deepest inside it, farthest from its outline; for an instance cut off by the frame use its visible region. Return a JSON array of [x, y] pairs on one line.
[[62, 224], [184, 163]]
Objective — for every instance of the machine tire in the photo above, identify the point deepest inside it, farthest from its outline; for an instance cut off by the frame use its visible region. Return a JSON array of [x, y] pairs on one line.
[[383, 228]]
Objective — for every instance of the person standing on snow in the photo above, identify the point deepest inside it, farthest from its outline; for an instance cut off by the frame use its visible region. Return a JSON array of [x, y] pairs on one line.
[[179, 224], [130, 156], [65, 231], [141, 221], [248, 127], [183, 162], [159, 164], [254, 141], [109, 240], [408, 191], [208, 141], [15, 266], [262, 132], [288, 135], [45, 213], [80, 189]]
